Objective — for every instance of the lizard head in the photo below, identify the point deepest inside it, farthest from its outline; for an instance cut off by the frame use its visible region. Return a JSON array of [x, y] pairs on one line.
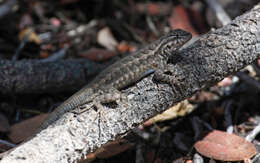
[[172, 41]]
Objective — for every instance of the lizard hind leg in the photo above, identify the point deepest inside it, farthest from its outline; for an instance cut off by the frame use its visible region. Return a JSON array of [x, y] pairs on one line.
[[160, 76], [111, 95]]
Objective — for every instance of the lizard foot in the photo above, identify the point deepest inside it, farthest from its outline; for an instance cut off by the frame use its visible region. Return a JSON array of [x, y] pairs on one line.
[[105, 98], [160, 76]]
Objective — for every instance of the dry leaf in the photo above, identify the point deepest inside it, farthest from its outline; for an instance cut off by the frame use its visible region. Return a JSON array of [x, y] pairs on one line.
[[4, 124], [124, 47], [109, 150], [26, 128], [225, 82], [203, 96], [32, 36], [113, 148], [181, 109], [95, 54], [106, 39], [180, 19], [44, 54], [258, 62], [90, 158], [223, 146]]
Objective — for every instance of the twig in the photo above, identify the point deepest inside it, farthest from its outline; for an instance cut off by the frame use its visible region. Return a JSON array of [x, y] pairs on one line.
[[221, 14], [256, 68], [21, 46], [197, 158], [139, 153], [56, 56], [179, 143], [7, 143], [196, 126], [256, 159], [228, 117], [7, 7], [143, 134], [151, 25], [246, 78], [251, 136]]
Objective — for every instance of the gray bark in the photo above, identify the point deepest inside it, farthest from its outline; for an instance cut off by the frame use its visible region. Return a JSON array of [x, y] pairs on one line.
[[36, 77], [213, 57]]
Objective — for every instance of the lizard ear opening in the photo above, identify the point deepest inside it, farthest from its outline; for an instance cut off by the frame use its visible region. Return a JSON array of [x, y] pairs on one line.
[[172, 42], [167, 48]]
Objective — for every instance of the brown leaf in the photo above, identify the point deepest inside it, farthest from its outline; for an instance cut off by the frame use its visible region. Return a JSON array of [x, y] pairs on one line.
[[222, 146], [90, 158], [105, 38], [95, 54], [109, 150], [180, 19], [124, 47], [203, 96], [4, 124], [113, 148], [44, 54], [26, 128], [181, 109], [154, 8]]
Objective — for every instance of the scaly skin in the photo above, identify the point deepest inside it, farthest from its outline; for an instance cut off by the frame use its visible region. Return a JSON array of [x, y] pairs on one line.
[[106, 86]]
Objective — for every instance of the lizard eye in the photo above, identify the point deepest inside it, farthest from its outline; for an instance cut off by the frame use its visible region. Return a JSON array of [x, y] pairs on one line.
[[167, 49]]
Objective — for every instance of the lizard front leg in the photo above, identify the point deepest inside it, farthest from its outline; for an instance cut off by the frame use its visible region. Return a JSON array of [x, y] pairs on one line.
[[161, 76]]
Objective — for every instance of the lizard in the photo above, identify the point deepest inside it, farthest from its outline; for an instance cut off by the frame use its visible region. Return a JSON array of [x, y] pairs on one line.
[[105, 88]]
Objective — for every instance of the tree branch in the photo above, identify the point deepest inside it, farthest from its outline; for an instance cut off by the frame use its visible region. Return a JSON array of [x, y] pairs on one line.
[[207, 61], [34, 76]]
